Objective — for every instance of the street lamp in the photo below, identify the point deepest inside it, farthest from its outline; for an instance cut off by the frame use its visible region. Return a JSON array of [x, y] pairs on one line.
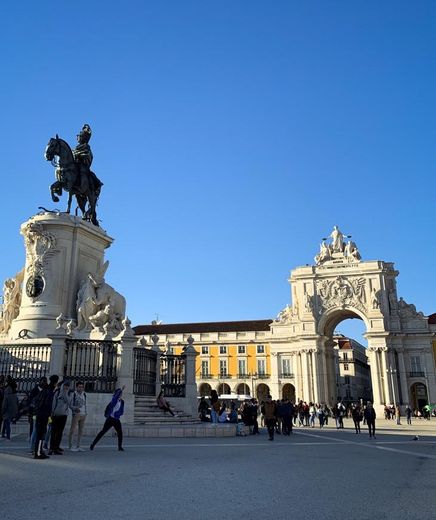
[[253, 376], [391, 372]]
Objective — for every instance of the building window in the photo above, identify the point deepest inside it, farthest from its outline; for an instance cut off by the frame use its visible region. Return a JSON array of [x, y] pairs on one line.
[[205, 349], [261, 367], [345, 356], [241, 349], [223, 367], [347, 380], [242, 368], [223, 349], [261, 349], [345, 366], [415, 363], [286, 367], [204, 368]]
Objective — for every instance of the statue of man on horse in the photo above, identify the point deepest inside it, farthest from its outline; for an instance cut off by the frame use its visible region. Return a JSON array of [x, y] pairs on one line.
[[73, 173]]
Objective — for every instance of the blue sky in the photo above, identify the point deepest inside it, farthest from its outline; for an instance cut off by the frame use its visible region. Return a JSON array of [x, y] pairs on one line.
[[230, 137]]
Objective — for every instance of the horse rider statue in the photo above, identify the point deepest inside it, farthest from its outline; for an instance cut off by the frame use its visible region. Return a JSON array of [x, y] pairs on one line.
[[83, 157]]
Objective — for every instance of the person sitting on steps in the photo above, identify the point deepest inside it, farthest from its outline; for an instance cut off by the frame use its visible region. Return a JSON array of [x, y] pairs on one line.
[[163, 404]]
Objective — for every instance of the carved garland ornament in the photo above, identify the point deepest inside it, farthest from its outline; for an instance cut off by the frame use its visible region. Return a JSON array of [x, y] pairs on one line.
[[39, 247]]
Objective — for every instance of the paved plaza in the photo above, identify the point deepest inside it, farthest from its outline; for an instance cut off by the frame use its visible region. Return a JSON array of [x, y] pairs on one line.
[[314, 473]]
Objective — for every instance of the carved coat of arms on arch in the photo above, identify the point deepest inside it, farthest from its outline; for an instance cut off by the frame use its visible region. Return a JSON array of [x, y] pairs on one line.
[[341, 292]]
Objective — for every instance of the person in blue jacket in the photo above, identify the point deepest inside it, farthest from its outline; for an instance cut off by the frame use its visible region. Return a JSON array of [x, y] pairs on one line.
[[114, 411]]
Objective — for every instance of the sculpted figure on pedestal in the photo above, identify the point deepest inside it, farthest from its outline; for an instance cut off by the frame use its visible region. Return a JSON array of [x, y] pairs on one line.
[[337, 250], [73, 173], [408, 310], [351, 251], [11, 301], [99, 306], [375, 299], [324, 253]]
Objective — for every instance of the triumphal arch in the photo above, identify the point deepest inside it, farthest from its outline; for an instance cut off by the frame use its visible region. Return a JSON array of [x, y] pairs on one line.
[[340, 285]]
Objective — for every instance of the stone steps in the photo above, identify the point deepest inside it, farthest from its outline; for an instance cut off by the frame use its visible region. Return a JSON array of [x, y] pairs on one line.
[[148, 414]]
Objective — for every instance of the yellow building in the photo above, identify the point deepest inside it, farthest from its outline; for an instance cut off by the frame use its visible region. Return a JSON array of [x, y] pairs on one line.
[[233, 357]]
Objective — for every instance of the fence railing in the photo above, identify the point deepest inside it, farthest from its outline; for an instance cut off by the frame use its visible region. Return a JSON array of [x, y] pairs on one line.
[[173, 375], [25, 363], [144, 371], [92, 362]]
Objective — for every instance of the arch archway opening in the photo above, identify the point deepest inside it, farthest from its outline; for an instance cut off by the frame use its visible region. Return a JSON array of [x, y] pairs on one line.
[[243, 389], [224, 389], [288, 392], [419, 396], [348, 369], [262, 391], [204, 390]]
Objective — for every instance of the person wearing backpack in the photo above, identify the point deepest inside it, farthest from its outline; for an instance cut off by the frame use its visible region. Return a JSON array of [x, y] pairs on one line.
[[78, 405], [59, 415], [113, 412]]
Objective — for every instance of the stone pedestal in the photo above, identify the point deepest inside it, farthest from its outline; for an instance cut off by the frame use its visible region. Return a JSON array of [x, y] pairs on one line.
[[60, 252]]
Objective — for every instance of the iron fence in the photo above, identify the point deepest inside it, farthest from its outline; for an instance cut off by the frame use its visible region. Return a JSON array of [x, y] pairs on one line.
[[173, 375], [92, 362], [25, 363], [144, 371]]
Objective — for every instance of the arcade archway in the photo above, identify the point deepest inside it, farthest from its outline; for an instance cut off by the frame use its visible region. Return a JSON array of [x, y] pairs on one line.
[[288, 392], [204, 390], [419, 396], [262, 391], [224, 389], [243, 389]]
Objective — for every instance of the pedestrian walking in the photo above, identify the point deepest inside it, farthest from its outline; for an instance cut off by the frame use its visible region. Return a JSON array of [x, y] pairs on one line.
[[79, 408], [409, 413], [370, 417], [9, 409], [398, 414], [356, 414], [270, 413], [114, 411]]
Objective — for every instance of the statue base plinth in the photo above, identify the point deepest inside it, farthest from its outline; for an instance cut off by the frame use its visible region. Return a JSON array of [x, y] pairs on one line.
[[61, 250]]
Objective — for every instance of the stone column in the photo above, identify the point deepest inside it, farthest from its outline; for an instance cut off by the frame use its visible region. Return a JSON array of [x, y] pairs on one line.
[[125, 372], [158, 350], [306, 375], [375, 376], [403, 377], [386, 375], [275, 374], [296, 372], [190, 380], [314, 353], [57, 356]]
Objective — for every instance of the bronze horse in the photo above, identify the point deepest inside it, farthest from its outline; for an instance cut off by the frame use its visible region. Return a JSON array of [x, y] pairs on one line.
[[86, 188]]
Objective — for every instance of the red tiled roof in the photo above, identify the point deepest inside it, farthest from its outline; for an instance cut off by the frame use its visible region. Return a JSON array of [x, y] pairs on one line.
[[432, 319], [213, 326]]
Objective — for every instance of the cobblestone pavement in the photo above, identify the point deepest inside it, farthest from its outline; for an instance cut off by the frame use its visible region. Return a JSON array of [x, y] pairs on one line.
[[328, 473]]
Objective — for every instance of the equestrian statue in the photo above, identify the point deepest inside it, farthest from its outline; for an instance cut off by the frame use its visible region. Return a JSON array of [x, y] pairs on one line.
[[73, 173]]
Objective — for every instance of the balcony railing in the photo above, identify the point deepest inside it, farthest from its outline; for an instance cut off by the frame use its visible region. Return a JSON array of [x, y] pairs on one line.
[[417, 374], [243, 376], [263, 376], [286, 375], [224, 376], [205, 376]]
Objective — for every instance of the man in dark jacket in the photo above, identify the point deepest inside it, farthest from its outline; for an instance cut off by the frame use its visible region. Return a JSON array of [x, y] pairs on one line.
[[370, 419], [287, 411], [43, 407]]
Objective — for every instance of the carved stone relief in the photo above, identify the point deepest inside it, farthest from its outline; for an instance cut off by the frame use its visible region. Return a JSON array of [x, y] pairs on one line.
[[40, 245], [99, 306], [341, 292]]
